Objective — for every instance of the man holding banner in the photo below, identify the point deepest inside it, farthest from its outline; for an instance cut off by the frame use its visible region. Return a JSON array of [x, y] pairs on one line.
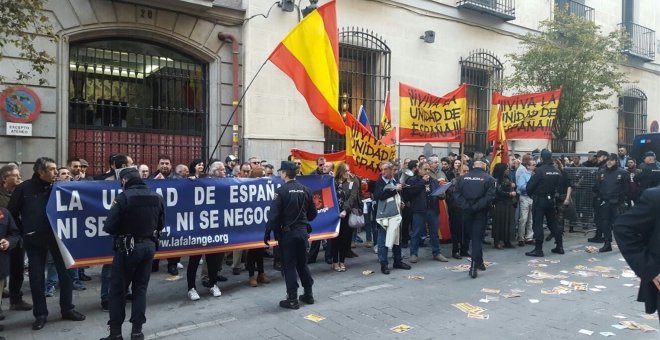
[[135, 219]]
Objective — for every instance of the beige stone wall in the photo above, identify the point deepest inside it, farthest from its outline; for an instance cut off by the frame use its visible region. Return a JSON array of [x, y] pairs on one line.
[[189, 26]]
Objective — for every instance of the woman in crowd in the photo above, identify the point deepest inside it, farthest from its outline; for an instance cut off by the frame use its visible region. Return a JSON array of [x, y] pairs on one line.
[[504, 207], [347, 187], [197, 169], [255, 257], [455, 170]]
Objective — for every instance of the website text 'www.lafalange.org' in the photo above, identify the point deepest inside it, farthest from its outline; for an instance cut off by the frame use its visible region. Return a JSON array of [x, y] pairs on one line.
[[194, 241]]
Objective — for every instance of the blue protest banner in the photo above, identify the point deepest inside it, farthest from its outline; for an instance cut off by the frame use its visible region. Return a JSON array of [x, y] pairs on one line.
[[202, 216]]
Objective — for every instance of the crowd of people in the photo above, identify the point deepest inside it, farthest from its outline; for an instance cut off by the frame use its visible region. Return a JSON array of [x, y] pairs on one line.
[[400, 210]]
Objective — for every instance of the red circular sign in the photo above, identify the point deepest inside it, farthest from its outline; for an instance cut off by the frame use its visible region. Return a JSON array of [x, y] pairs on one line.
[[654, 126], [19, 104]]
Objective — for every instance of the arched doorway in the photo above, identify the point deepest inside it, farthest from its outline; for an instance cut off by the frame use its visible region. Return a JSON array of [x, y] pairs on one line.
[[136, 98]]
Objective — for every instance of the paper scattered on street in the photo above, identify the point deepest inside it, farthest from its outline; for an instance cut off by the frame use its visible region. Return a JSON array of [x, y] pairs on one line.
[[591, 249], [510, 295], [484, 300], [619, 316], [173, 278], [400, 328], [539, 275], [415, 277], [478, 316], [490, 290], [492, 298], [367, 272], [556, 291], [585, 331], [600, 287], [611, 276], [628, 284], [534, 282], [459, 268], [595, 290], [314, 317], [593, 259], [637, 326], [606, 334], [534, 301], [580, 286], [619, 326], [468, 308], [628, 273]]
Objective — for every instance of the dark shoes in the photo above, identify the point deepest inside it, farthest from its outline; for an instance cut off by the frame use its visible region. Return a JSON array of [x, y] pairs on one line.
[[22, 305], [456, 256], [39, 323], [401, 265], [236, 271], [172, 269], [384, 269], [521, 243], [73, 315], [105, 305], [606, 247], [535, 253], [115, 334], [290, 302], [84, 277], [481, 266], [473, 271], [558, 250], [465, 254], [596, 239], [549, 237], [137, 336], [307, 297]]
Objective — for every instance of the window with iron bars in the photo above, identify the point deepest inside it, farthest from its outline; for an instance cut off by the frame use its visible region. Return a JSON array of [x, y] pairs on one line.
[[135, 98], [364, 79], [482, 72], [632, 116]]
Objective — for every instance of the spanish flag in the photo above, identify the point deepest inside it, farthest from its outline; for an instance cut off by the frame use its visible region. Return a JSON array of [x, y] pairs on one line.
[[500, 146], [387, 131], [308, 159], [309, 56]]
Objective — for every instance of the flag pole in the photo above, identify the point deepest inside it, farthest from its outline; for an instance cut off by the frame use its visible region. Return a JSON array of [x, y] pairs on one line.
[[215, 148]]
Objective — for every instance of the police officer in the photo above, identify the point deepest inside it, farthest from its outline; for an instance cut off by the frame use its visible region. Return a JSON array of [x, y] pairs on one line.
[[289, 217], [637, 233], [135, 220], [610, 190], [650, 175], [474, 193], [542, 187]]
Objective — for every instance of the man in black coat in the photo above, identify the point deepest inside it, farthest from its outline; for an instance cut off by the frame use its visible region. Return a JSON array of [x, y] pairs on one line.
[[28, 207], [9, 238], [637, 233]]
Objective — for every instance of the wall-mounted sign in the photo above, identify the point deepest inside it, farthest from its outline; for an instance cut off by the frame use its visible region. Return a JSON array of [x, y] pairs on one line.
[[654, 126], [19, 104], [19, 129]]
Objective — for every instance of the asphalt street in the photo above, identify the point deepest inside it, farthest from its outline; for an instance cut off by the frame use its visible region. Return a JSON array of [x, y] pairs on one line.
[[423, 301]]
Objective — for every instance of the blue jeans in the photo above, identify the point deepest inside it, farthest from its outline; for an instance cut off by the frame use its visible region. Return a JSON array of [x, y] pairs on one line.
[[382, 250], [106, 274], [51, 272], [419, 222]]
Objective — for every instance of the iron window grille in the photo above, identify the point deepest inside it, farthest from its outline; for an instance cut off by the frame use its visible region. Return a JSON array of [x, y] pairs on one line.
[[135, 98], [642, 41], [503, 9], [482, 72], [632, 116], [577, 8], [364, 79]]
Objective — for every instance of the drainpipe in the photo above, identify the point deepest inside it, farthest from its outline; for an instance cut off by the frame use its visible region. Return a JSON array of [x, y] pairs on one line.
[[226, 37]]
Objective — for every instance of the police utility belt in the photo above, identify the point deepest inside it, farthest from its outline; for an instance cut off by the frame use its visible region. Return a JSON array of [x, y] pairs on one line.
[[126, 243]]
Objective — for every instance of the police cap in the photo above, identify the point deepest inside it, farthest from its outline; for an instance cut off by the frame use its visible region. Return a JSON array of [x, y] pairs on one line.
[[649, 154], [286, 165], [129, 173]]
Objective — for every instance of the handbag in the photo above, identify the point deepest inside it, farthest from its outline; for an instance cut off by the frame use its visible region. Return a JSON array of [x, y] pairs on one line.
[[356, 219]]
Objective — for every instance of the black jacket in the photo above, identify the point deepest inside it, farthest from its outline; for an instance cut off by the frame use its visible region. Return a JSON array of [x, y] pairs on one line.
[[611, 185], [8, 231], [292, 208], [475, 191], [28, 207], [419, 196], [637, 233], [546, 180], [136, 211], [380, 194], [649, 177]]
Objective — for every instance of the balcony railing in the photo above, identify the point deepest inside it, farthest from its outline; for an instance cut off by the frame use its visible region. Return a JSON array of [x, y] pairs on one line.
[[504, 9], [576, 8], [642, 41]]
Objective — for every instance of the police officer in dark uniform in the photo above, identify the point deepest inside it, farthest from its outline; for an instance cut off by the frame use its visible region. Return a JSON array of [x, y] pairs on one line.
[[474, 193], [289, 217], [650, 175], [610, 190], [542, 186], [135, 221], [637, 233]]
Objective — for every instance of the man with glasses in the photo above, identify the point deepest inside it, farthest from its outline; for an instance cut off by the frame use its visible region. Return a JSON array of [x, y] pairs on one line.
[[388, 216], [298, 164], [319, 167], [11, 178], [254, 162], [425, 210]]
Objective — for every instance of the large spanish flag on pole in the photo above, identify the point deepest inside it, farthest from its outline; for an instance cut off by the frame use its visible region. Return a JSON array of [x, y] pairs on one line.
[[309, 56], [425, 117], [308, 159], [524, 116], [501, 146]]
